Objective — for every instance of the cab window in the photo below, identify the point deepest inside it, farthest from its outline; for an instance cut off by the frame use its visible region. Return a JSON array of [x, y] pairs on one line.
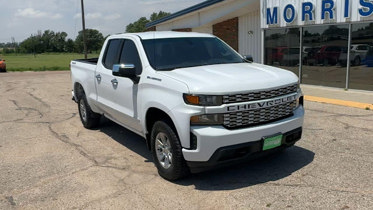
[[112, 51], [130, 55]]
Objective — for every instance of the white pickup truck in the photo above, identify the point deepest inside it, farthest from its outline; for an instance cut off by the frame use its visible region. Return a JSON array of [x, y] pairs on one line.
[[196, 101]]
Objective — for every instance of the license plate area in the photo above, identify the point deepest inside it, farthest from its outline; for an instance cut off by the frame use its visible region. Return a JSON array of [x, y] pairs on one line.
[[271, 142]]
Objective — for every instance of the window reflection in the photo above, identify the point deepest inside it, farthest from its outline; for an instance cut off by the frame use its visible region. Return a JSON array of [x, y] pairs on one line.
[[361, 57], [322, 49], [282, 48], [324, 54]]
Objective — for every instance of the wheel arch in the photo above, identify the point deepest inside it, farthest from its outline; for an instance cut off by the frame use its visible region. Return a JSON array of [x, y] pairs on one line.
[[153, 115], [78, 91]]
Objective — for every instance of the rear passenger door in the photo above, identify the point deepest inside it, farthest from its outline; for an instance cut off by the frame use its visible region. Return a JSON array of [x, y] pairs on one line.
[[118, 95]]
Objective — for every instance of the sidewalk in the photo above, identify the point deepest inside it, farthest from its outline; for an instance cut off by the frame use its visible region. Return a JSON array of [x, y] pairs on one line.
[[353, 98]]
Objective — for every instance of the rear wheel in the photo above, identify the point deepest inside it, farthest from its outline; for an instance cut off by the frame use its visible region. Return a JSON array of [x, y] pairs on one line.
[[89, 118], [166, 151], [357, 61]]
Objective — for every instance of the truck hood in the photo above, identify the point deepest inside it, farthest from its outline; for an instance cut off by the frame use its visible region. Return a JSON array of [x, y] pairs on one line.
[[231, 78]]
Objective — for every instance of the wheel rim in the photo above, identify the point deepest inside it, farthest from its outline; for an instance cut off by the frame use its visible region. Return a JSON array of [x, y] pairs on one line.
[[163, 150], [83, 110]]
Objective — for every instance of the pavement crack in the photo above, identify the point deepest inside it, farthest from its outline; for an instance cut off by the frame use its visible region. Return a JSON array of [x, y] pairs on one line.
[[338, 190], [27, 109], [10, 199], [77, 147], [38, 99]]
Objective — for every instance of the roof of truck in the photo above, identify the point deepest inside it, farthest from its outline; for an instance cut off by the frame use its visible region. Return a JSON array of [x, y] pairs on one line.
[[162, 35]]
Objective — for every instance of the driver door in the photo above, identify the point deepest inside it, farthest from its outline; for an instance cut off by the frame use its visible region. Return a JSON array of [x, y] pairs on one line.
[[118, 95]]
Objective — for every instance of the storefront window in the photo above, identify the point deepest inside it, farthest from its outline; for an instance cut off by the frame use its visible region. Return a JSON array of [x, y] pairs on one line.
[[323, 49], [282, 48], [361, 57]]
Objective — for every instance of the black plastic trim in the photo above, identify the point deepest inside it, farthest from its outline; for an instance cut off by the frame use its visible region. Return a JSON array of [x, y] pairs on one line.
[[243, 152]]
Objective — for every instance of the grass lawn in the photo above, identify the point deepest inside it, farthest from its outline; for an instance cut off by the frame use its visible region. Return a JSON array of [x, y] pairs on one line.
[[41, 62]]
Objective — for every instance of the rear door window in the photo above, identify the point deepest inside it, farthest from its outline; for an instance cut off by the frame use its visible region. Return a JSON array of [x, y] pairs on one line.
[[112, 53]]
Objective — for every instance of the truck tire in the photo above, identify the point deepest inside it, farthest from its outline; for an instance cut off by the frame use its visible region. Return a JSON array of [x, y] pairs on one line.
[[89, 118], [166, 151]]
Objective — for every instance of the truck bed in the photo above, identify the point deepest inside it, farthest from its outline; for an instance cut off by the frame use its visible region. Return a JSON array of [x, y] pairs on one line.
[[89, 60]]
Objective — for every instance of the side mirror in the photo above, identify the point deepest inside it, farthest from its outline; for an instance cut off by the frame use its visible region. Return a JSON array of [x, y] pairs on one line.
[[126, 70], [248, 58]]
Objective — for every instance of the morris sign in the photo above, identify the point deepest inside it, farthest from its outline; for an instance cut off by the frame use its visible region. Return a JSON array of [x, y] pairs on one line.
[[280, 13]]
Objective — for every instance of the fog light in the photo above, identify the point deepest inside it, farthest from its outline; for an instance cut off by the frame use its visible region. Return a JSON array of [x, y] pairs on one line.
[[193, 141]]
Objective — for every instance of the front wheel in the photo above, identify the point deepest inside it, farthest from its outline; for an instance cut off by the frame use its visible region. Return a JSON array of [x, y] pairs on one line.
[[166, 151], [89, 118]]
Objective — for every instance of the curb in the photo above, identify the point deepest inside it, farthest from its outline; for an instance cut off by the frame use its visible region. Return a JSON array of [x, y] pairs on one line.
[[340, 102]]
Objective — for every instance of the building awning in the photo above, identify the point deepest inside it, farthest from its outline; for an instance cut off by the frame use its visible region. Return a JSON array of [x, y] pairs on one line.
[[184, 12]]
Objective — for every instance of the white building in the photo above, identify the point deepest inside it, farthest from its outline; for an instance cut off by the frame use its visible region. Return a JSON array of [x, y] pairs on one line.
[[312, 38]]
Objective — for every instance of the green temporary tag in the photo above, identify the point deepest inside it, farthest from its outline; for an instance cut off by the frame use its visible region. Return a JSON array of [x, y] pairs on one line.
[[272, 142]]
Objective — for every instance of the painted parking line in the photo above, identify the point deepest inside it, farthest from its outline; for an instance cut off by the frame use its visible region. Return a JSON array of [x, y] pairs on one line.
[[339, 102]]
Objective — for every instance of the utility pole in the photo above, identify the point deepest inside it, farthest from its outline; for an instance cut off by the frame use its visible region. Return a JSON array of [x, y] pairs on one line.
[[84, 35], [14, 44]]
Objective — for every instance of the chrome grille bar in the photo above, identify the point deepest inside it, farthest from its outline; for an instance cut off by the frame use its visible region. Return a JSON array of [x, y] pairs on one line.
[[260, 95], [258, 116]]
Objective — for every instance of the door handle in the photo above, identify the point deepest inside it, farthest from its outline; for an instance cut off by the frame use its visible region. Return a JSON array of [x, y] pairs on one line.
[[114, 82], [98, 77]]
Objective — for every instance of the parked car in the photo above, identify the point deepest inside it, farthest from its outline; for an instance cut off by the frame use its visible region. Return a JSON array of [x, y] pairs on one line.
[[195, 100], [369, 58], [276, 54], [2, 65], [309, 55], [328, 55], [358, 54], [290, 57]]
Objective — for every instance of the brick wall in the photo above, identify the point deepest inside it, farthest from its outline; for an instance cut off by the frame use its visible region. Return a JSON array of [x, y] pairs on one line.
[[228, 32], [183, 29], [153, 28]]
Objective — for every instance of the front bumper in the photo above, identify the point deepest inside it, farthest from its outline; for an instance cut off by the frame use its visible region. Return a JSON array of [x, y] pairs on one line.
[[243, 152], [211, 139]]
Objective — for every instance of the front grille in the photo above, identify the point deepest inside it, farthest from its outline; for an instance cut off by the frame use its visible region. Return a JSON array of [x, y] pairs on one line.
[[258, 116], [260, 95]]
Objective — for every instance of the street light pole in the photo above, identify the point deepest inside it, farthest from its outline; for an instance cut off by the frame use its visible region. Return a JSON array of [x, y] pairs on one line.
[[84, 35]]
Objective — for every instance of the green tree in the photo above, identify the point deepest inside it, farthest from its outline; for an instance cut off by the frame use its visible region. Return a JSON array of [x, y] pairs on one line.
[[95, 40], [48, 41], [156, 16], [70, 45], [139, 25]]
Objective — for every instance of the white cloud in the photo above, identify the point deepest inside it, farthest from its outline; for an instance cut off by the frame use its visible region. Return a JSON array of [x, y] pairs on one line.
[[92, 16], [32, 13], [22, 18], [78, 16], [112, 17]]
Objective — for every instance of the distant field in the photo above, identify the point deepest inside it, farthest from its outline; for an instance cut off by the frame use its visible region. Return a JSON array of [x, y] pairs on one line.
[[41, 62]]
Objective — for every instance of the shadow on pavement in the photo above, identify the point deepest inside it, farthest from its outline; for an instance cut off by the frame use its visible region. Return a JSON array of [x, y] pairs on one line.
[[126, 138], [262, 170]]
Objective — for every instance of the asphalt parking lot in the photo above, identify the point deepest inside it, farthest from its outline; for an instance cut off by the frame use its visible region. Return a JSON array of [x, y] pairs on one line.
[[49, 161]]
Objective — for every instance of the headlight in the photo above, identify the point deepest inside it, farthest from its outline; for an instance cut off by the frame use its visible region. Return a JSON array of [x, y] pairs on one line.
[[300, 101], [203, 100], [207, 119]]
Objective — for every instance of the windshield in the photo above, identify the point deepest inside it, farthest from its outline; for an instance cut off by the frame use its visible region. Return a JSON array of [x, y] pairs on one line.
[[172, 53]]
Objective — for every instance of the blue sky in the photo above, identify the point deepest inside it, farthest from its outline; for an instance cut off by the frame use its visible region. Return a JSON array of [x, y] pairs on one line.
[[21, 18]]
